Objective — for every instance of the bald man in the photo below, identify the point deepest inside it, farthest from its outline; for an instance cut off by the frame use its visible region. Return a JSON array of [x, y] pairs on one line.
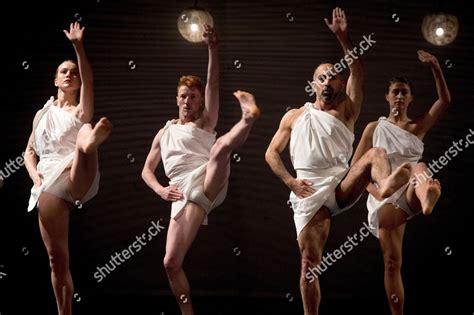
[[321, 135]]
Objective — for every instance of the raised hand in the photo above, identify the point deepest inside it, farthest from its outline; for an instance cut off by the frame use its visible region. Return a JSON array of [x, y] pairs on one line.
[[426, 57], [338, 24], [75, 33], [210, 36]]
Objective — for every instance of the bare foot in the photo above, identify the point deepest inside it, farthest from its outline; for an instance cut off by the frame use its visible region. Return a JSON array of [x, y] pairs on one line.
[[97, 136], [250, 111], [397, 179], [432, 194]]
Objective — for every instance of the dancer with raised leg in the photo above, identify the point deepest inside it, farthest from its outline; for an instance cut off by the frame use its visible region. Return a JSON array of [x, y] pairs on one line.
[[321, 135], [197, 164], [67, 173], [402, 137]]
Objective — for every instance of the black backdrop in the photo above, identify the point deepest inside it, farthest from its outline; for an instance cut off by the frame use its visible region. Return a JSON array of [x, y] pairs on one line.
[[246, 261]]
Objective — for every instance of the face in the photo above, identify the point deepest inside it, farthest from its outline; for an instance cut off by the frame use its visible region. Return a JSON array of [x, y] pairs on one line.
[[189, 101], [67, 76], [327, 83], [399, 96]]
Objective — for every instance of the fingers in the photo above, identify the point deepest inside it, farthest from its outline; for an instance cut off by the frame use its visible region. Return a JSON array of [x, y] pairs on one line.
[[174, 194], [327, 22], [304, 188]]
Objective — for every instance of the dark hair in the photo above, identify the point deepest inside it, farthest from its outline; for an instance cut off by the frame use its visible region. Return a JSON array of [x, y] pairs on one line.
[[399, 80]]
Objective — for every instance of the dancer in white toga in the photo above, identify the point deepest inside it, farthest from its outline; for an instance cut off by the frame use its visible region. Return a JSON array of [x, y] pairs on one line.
[[402, 138], [197, 165], [321, 135], [67, 172]]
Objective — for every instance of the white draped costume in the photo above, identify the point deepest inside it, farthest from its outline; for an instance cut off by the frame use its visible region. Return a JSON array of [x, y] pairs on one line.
[[55, 132], [185, 151], [320, 150], [401, 146]]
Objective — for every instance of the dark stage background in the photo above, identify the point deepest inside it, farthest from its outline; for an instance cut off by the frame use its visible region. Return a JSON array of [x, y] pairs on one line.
[[246, 261]]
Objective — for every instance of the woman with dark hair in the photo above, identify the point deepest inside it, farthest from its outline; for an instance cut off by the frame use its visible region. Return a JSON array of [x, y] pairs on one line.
[[402, 137]]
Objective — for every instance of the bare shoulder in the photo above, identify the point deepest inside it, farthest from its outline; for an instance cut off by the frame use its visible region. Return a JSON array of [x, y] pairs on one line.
[[369, 129], [291, 116], [372, 125]]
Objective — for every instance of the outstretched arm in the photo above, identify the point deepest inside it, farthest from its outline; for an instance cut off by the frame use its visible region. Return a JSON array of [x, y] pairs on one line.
[[354, 88], [211, 100], [444, 98], [169, 193], [302, 188], [86, 99]]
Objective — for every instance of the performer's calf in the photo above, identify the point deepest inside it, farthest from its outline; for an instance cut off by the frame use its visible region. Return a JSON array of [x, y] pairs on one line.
[[218, 168], [391, 229], [84, 165], [374, 166], [181, 233]]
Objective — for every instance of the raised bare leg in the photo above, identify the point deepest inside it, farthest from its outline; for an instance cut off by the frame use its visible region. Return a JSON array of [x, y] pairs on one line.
[[392, 223], [372, 166], [311, 242], [53, 220], [218, 167], [395, 180], [84, 166], [181, 233], [424, 191]]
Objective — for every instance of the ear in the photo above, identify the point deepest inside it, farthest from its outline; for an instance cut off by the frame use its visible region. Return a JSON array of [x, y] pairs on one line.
[[386, 97], [56, 82]]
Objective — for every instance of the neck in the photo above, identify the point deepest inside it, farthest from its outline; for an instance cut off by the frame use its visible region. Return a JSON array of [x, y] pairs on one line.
[[187, 119], [322, 106], [66, 99], [401, 116]]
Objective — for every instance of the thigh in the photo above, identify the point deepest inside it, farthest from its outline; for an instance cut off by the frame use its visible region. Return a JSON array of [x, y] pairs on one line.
[[392, 222], [183, 230], [217, 175], [353, 185], [313, 237], [53, 216]]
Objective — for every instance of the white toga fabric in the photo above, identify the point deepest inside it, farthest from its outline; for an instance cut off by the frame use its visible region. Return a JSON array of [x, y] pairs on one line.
[[401, 146], [185, 151], [55, 132], [320, 149]]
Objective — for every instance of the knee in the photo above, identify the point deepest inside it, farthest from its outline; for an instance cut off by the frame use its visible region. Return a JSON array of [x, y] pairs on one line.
[[58, 259], [377, 152], [420, 168], [309, 261], [171, 264], [393, 264]]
